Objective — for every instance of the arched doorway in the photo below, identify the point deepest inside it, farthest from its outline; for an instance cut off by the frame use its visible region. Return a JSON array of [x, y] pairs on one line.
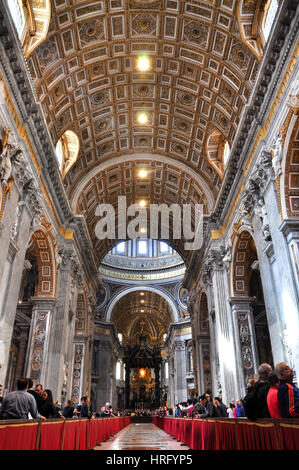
[[248, 307], [31, 324]]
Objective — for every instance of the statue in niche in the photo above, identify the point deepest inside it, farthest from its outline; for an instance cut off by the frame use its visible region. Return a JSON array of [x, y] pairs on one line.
[[15, 227], [32, 281], [8, 153], [5, 161], [277, 155], [261, 211]]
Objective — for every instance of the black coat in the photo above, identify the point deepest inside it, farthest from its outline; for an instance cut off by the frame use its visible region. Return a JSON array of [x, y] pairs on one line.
[[68, 411], [49, 411], [38, 399]]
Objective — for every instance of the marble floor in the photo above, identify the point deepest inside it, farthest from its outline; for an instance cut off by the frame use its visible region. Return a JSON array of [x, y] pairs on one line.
[[141, 436]]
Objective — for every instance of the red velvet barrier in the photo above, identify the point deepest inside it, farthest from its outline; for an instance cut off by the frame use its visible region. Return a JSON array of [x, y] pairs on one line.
[[18, 436], [99, 431], [233, 434], [289, 435], [256, 436], [70, 434], [83, 434], [93, 431], [60, 434], [51, 435]]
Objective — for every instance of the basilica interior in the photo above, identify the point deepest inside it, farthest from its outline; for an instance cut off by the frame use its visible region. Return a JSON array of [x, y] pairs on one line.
[[163, 102]]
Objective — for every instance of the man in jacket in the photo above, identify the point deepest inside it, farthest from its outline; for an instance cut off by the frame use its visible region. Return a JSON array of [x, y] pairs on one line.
[[18, 404], [288, 394], [86, 411]]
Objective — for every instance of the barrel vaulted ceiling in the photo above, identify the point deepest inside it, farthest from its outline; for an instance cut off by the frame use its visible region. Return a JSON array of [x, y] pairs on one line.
[[203, 64], [143, 312]]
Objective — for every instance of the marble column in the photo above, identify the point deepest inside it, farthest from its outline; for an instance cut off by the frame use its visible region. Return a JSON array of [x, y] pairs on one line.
[[157, 384], [224, 328], [245, 340], [38, 348], [127, 386], [78, 368], [58, 348], [10, 281], [289, 334], [180, 381]]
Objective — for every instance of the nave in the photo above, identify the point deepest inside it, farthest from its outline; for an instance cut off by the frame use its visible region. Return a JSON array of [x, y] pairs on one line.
[[141, 436]]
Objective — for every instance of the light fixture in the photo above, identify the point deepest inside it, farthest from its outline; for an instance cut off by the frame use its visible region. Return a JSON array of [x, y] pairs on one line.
[[141, 293], [142, 203], [142, 311], [142, 117], [142, 173], [143, 63], [143, 230], [142, 301], [142, 373]]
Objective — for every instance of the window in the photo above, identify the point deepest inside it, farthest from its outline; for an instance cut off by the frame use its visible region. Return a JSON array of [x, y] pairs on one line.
[[121, 247], [17, 14], [164, 248], [67, 150], [226, 153], [166, 370], [120, 337], [118, 371], [270, 12], [142, 247]]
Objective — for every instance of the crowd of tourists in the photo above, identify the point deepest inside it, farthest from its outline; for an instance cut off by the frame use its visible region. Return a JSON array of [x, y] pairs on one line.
[[272, 395]]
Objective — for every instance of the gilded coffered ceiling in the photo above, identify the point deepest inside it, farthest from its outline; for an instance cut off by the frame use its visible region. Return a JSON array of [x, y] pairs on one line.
[[142, 312], [203, 65]]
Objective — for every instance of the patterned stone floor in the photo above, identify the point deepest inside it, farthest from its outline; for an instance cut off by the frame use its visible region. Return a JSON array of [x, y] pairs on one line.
[[143, 436]]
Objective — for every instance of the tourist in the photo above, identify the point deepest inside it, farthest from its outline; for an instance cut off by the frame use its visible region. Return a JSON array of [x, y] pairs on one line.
[[222, 407], [68, 410], [48, 407], [288, 394], [255, 402], [86, 411], [272, 397], [19, 404], [240, 412], [36, 395], [77, 409], [230, 410]]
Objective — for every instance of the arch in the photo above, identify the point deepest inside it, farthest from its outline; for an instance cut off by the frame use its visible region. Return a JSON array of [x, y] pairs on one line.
[[250, 15], [203, 315], [127, 290], [137, 157], [242, 254], [290, 175], [47, 273], [38, 19], [67, 150], [216, 146]]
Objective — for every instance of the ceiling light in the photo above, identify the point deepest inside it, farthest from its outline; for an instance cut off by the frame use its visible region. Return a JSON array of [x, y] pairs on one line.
[[143, 63], [142, 173], [142, 118]]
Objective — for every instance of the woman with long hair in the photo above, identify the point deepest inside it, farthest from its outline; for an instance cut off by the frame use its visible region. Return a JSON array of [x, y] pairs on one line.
[[48, 407]]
